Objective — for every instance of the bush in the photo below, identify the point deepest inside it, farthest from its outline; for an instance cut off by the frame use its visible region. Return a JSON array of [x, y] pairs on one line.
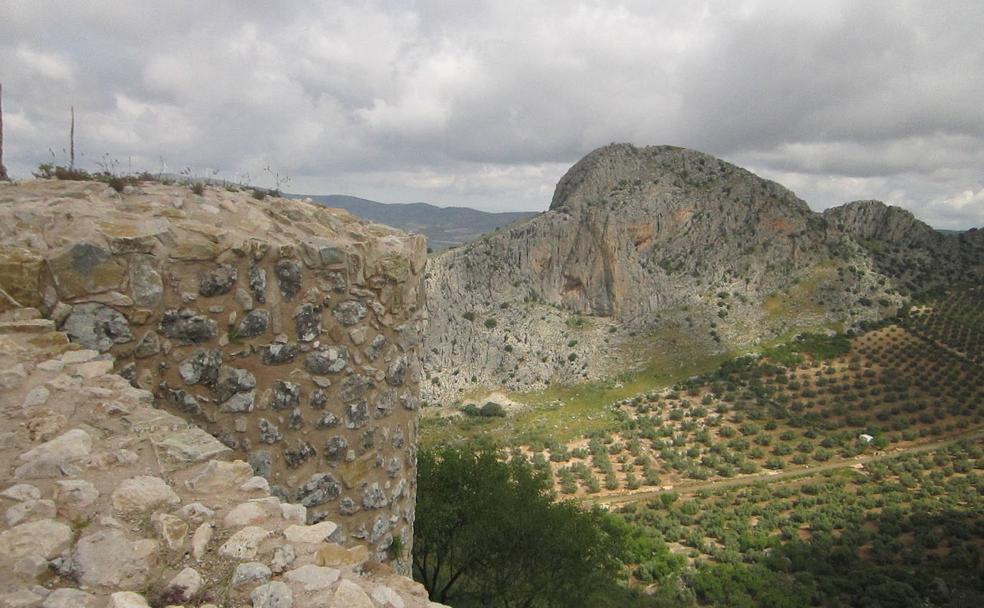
[[490, 323], [492, 409]]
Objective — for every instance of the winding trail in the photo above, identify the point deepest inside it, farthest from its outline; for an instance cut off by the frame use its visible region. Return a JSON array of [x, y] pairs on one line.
[[784, 475]]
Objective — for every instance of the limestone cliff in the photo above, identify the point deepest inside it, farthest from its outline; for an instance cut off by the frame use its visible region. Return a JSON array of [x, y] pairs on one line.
[[286, 330], [657, 239]]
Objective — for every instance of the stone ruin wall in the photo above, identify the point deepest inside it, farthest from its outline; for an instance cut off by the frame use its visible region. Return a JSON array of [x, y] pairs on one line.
[[288, 331]]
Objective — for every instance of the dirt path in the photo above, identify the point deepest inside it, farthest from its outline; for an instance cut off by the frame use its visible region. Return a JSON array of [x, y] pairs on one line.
[[769, 477]]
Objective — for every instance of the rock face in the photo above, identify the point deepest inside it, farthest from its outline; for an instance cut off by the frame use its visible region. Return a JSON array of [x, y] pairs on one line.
[[238, 315], [108, 515], [660, 239]]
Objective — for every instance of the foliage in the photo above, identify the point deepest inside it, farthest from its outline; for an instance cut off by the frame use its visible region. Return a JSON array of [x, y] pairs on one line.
[[488, 533]]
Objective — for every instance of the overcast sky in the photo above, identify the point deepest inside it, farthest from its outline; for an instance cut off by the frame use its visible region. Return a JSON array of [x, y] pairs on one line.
[[486, 104]]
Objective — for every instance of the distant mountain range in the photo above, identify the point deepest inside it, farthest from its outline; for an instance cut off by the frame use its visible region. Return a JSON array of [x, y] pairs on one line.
[[444, 227]]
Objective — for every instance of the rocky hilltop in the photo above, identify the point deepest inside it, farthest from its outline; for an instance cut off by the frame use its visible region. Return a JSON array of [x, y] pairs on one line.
[[638, 240], [286, 331]]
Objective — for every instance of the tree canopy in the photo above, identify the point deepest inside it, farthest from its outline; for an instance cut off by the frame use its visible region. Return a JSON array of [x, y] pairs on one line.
[[488, 533]]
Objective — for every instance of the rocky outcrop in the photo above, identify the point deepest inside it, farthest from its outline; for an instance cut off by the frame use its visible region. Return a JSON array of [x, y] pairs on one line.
[[110, 501], [283, 329], [642, 240]]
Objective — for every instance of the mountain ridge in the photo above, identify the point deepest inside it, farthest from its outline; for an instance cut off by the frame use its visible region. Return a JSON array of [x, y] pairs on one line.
[[444, 227], [644, 239]]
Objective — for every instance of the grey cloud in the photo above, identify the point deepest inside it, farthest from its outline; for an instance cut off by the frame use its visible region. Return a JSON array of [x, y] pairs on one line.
[[486, 103]]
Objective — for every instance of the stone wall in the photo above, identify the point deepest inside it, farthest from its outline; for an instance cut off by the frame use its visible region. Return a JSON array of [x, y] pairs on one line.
[[286, 330], [109, 501]]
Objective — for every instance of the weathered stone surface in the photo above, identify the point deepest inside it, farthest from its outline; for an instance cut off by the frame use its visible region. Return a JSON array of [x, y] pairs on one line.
[[148, 346], [127, 599], [258, 283], [245, 543], [217, 476], [307, 322], [22, 491], [201, 367], [269, 432], [106, 558], [190, 446], [335, 448], [375, 347], [83, 268], [315, 533], [279, 353], [231, 381], [97, 326], [373, 497], [146, 285], [285, 395], [272, 595], [45, 538], [296, 455], [319, 489], [261, 462], [218, 281], [311, 578], [396, 373], [254, 323], [20, 272], [350, 595], [288, 278], [249, 574], [71, 445], [182, 400], [327, 360], [350, 312], [67, 597], [186, 583], [356, 414], [142, 493], [187, 327], [354, 387], [30, 510], [185, 274]]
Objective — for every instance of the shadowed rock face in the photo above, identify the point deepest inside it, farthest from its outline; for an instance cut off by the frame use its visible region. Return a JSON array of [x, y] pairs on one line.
[[637, 235], [254, 321]]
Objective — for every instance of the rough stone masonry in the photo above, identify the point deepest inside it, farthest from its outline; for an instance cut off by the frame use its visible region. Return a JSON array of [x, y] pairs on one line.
[[286, 330]]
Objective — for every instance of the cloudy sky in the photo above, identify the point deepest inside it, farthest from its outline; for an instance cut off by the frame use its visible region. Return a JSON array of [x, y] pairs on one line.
[[486, 104]]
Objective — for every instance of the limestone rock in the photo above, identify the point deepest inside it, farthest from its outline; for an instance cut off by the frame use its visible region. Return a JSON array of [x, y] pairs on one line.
[[45, 538], [250, 573], [310, 534], [351, 312], [83, 268], [187, 327], [146, 285], [254, 323], [350, 595], [245, 543], [311, 578], [188, 583], [107, 559], [142, 493], [97, 326], [127, 599], [67, 597], [272, 595]]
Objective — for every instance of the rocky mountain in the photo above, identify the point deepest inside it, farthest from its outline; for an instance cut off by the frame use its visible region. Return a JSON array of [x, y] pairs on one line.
[[661, 241], [444, 227]]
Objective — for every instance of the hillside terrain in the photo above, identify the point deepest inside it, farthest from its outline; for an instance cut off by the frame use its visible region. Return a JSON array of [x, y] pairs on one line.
[[663, 257], [444, 227]]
